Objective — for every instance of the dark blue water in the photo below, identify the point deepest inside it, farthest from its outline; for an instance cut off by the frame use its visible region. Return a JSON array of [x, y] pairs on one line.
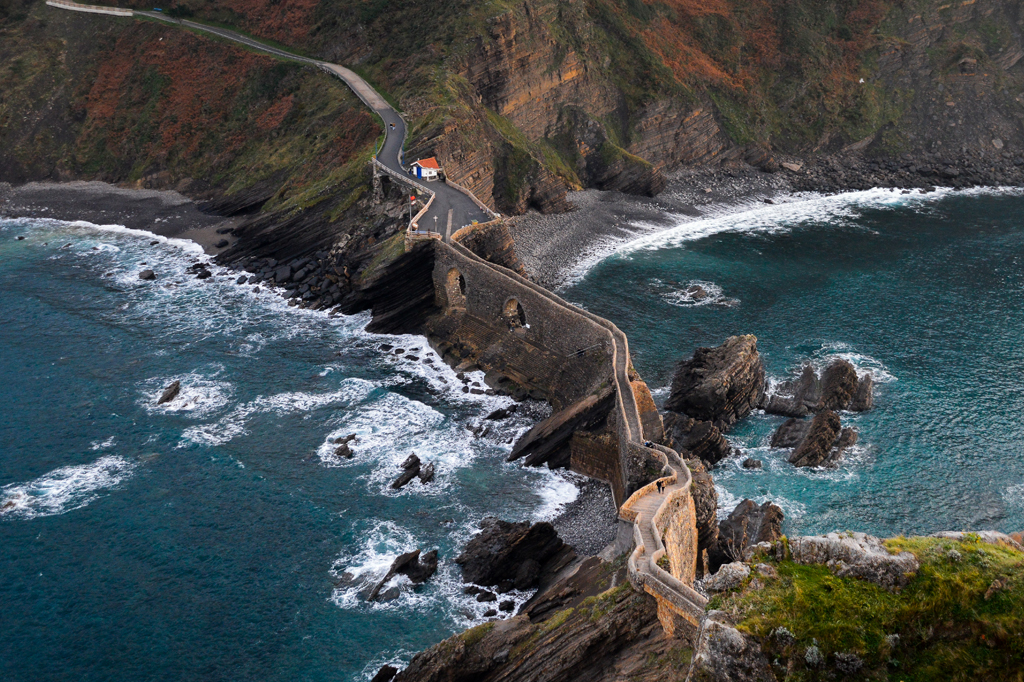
[[926, 293], [209, 538]]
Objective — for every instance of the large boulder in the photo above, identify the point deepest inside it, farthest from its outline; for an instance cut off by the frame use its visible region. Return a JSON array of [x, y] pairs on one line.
[[747, 525], [724, 654], [856, 555], [697, 439], [720, 385], [501, 550], [818, 442]]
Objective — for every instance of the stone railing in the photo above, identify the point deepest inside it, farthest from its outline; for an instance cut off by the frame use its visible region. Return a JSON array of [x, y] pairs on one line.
[[92, 9], [481, 205], [675, 598]]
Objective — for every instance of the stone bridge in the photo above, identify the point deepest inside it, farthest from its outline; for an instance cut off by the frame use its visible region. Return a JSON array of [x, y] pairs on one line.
[[539, 341]]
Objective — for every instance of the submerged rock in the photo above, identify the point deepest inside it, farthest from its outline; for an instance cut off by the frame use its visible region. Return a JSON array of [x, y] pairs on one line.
[[170, 393], [720, 385]]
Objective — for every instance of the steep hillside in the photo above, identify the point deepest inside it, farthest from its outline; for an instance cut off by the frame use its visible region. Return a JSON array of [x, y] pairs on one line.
[[521, 101]]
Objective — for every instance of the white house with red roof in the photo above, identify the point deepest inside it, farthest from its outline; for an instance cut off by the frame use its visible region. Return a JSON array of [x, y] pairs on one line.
[[428, 169]]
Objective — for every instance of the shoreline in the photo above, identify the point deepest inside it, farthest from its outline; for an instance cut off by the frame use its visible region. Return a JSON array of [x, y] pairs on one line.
[[165, 213], [588, 523]]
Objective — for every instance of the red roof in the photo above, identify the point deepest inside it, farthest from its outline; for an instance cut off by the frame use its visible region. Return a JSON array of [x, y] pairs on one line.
[[428, 163]]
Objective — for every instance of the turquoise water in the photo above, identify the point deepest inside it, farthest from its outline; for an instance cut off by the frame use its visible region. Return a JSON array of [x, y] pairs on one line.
[[925, 292], [208, 539]]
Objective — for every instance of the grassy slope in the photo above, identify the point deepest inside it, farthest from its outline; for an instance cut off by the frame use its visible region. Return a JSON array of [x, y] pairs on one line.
[[130, 99], [959, 619]]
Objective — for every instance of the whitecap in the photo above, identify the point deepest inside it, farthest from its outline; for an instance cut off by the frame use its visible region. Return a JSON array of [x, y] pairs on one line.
[[64, 489], [556, 489], [233, 424], [199, 396]]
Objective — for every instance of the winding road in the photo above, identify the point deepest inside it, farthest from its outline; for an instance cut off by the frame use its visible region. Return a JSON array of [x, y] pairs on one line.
[[450, 209]]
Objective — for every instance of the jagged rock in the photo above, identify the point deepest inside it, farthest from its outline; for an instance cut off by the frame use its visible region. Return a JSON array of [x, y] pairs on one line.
[[426, 473], [838, 386], [790, 433], [864, 399], [503, 412], [411, 564], [705, 503], [821, 440], [720, 385], [727, 577], [147, 275], [724, 654], [170, 393], [527, 575], [507, 606], [343, 449], [498, 553], [856, 555], [412, 469], [751, 463], [385, 674], [747, 525], [698, 439], [837, 389]]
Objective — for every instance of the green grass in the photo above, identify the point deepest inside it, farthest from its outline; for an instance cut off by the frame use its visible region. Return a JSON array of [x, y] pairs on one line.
[[957, 620]]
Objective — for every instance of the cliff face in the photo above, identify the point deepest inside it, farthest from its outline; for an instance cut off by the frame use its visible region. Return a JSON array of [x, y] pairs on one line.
[[604, 633]]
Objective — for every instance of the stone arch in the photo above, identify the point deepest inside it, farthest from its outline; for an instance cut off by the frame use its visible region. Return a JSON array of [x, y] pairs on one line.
[[455, 288], [513, 314]]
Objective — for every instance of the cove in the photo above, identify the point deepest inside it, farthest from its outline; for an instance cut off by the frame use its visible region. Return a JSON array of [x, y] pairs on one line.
[[923, 291]]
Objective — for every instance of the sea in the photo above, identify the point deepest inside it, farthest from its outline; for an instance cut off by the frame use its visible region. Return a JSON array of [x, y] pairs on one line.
[[923, 291], [219, 537]]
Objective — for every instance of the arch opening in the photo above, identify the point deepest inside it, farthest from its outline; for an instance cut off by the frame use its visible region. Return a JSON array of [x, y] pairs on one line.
[[455, 288], [514, 315]]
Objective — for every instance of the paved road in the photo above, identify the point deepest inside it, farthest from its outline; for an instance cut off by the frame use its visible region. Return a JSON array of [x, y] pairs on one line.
[[447, 199]]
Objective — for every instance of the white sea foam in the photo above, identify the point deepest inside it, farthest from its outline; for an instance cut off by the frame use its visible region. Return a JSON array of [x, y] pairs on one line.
[[727, 503], [864, 364], [103, 444], [64, 489], [358, 570], [754, 216], [693, 294], [234, 423], [556, 488], [1014, 495], [200, 395]]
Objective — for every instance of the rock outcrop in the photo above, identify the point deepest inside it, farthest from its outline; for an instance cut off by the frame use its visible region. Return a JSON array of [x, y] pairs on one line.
[[815, 442], [724, 654], [837, 389], [694, 438], [856, 555], [720, 385], [705, 504], [170, 393], [509, 553], [747, 525], [410, 470], [417, 568]]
